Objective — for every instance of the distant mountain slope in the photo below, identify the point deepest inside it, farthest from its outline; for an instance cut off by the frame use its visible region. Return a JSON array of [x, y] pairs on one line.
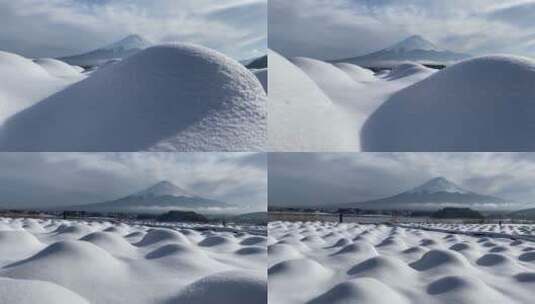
[[524, 214], [434, 194], [159, 197], [117, 50], [414, 48]]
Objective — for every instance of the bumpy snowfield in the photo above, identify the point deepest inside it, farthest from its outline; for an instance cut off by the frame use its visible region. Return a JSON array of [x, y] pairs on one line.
[[175, 97], [56, 261], [514, 230], [330, 263]]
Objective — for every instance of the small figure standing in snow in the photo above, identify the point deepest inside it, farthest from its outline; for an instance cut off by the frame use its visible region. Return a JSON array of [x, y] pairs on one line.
[[341, 218]]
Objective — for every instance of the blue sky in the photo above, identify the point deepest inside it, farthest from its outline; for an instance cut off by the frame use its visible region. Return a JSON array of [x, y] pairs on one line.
[[53, 179], [328, 29], [54, 28]]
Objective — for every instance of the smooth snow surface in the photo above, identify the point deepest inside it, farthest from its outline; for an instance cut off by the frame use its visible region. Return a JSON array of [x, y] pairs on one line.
[[58, 261], [481, 104], [330, 263], [359, 74], [24, 82], [301, 116], [173, 97], [58, 68], [319, 106]]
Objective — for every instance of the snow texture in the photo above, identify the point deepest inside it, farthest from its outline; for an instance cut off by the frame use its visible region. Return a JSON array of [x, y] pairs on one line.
[[175, 97], [301, 115], [331, 263], [23, 82], [481, 104]]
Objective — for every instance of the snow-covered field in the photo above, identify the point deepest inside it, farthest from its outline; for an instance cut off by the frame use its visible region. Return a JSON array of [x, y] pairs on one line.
[[508, 229], [479, 104], [330, 263], [60, 261], [172, 97]]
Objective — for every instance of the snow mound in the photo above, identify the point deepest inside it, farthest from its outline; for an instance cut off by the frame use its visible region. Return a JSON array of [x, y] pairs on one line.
[[30, 292], [481, 104], [363, 290], [24, 83], [174, 97], [301, 117], [225, 287], [58, 68], [408, 69], [162, 235], [326, 75], [17, 65], [356, 72]]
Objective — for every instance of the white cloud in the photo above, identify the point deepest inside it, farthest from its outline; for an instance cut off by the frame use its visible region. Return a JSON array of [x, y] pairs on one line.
[[64, 27], [338, 29]]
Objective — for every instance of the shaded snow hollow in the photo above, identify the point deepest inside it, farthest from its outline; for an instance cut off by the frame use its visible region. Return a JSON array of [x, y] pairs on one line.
[[175, 97], [481, 104]]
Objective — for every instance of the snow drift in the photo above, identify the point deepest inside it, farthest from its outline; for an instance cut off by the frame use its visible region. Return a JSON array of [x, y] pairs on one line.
[[174, 97], [301, 116], [107, 262], [481, 104], [356, 72], [58, 68], [393, 264], [23, 83]]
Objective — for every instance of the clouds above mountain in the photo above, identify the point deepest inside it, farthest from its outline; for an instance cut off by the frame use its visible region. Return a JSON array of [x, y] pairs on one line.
[[53, 179], [55, 28], [301, 179], [346, 28]]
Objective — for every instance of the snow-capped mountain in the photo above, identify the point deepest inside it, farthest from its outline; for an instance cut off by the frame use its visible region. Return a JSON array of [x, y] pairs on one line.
[[117, 50], [434, 194], [413, 43], [438, 184], [161, 189], [414, 48], [158, 198]]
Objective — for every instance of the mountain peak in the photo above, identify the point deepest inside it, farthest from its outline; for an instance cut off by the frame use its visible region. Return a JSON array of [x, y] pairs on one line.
[[130, 42], [415, 42], [438, 184], [164, 188]]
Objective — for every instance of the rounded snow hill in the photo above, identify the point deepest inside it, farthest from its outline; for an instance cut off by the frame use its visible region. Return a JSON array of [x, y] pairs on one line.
[[29, 292], [481, 104], [174, 97], [58, 68], [356, 72], [225, 287], [23, 83], [301, 117], [408, 69], [326, 75]]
